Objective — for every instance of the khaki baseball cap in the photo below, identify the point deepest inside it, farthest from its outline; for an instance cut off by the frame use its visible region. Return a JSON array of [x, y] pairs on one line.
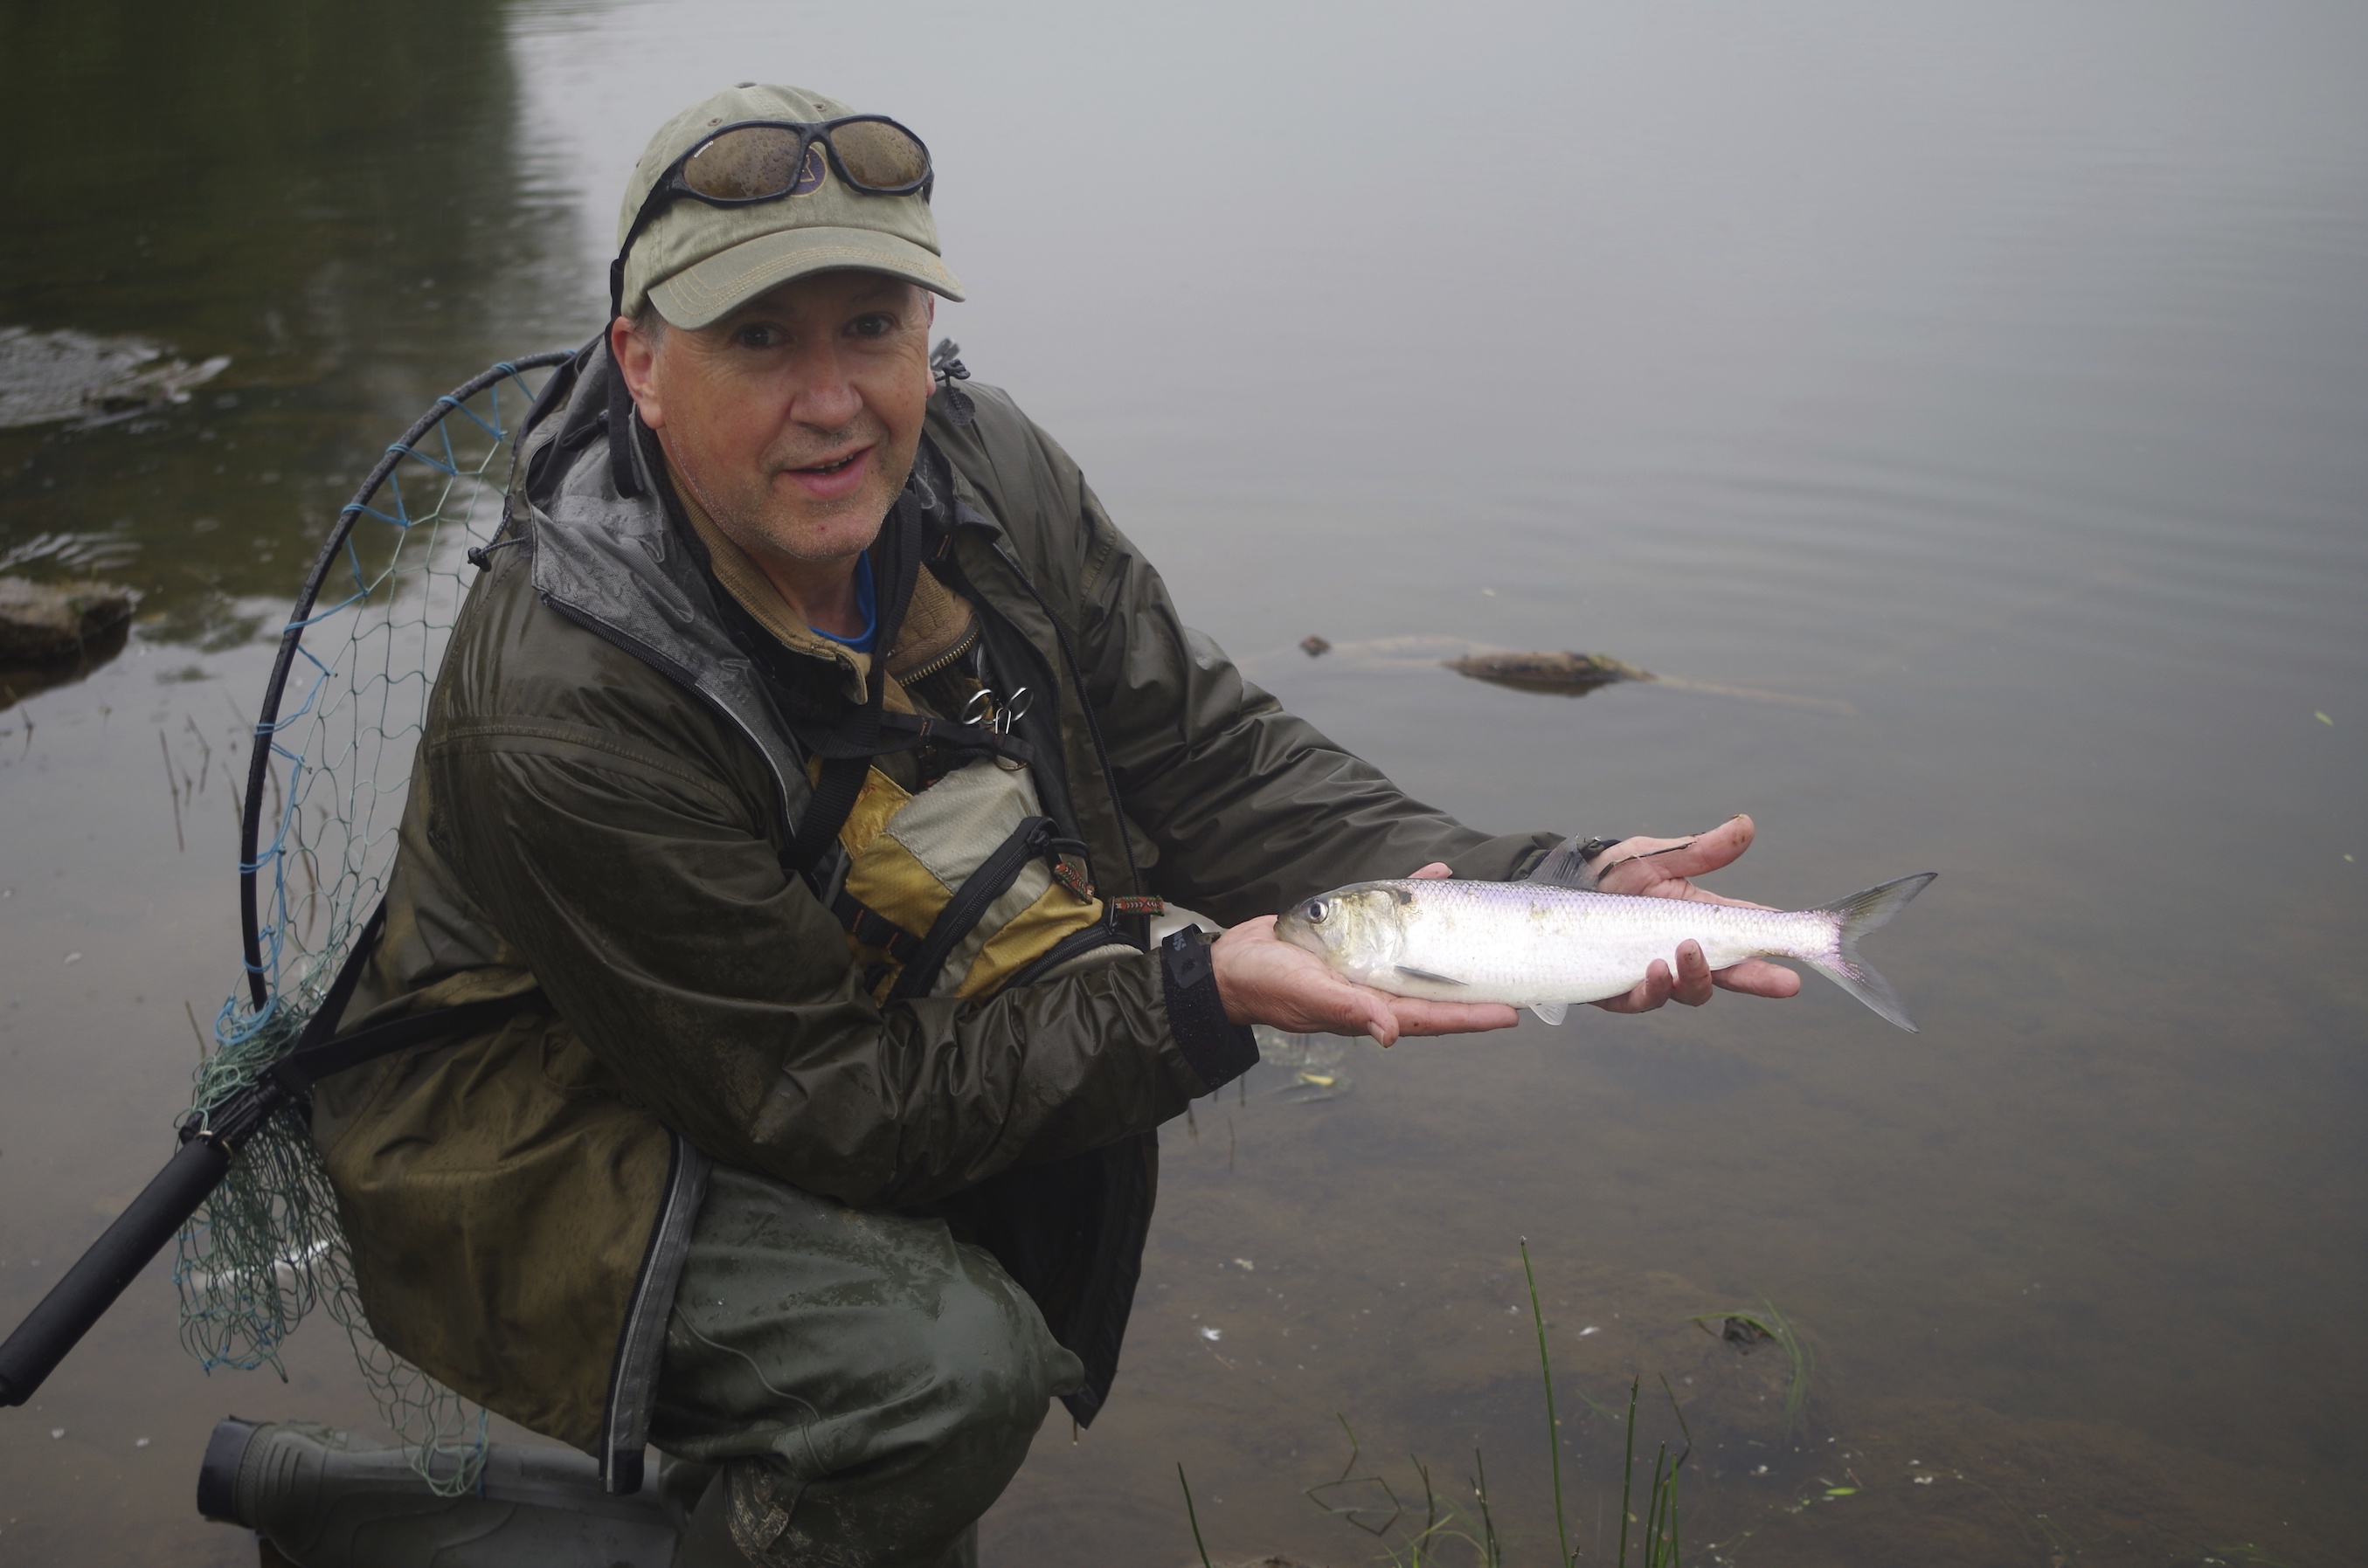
[[699, 263]]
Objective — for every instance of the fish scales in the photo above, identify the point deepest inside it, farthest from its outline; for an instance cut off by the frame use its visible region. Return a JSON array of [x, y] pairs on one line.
[[1546, 945], [1522, 942]]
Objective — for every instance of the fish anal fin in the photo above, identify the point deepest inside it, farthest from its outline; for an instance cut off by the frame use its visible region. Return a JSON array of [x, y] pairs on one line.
[[1412, 973], [1551, 1012]]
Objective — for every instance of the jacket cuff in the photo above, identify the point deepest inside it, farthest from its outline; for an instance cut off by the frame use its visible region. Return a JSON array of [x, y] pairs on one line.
[[1214, 1047]]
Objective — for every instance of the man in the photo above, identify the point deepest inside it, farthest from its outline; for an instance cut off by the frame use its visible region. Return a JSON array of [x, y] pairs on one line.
[[806, 766]]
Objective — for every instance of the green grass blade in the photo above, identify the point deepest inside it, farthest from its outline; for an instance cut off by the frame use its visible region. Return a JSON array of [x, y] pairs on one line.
[[1491, 1551], [1191, 1515], [1553, 1426], [1628, 1472]]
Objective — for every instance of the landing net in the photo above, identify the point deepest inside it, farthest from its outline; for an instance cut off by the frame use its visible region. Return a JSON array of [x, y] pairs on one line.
[[341, 719]]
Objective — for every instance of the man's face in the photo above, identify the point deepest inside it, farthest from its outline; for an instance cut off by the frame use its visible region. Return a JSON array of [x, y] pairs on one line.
[[795, 419]]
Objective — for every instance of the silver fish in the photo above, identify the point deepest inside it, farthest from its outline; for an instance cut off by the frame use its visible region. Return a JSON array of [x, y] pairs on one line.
[[1552, 941]]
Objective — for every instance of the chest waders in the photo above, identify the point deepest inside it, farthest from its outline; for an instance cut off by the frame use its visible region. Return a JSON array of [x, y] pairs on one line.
[[963, 886]]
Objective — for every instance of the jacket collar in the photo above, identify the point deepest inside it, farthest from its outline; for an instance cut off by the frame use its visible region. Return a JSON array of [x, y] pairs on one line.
[[616, 565]]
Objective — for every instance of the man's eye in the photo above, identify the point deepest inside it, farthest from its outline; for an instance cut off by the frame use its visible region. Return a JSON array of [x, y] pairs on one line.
[[756, 335], [879, 324]]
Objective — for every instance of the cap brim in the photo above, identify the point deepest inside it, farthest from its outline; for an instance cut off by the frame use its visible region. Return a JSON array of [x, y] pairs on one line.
[[703, 294]]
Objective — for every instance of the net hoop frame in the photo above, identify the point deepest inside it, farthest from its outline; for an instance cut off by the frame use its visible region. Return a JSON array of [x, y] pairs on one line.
[[261, 982]]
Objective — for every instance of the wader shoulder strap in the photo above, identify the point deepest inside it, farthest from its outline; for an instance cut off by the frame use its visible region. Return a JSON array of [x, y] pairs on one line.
[[963, 911]]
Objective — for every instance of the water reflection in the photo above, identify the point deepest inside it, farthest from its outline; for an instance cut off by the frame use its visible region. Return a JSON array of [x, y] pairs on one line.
[[329, 196]]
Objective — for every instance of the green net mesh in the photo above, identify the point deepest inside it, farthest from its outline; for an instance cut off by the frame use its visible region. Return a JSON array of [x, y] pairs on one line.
[[340, 722]]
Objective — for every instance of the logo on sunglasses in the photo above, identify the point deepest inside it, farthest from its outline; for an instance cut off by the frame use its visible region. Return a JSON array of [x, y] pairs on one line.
[[810, 172]]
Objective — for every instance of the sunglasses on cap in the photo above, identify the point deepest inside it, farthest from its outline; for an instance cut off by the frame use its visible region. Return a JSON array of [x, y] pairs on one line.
[[765, 160]]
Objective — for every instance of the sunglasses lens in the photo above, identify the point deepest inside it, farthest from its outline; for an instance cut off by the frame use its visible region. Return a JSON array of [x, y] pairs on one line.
[[751, 163], [879, 156]]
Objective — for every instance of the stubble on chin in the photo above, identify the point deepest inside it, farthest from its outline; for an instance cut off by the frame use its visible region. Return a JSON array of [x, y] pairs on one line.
[[764, 522]]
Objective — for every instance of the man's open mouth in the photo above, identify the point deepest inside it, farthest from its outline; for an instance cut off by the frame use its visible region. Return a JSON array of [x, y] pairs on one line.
[[834, 465]]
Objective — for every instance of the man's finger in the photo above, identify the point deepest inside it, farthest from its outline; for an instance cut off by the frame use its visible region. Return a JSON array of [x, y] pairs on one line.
[[1675, 858], [1757, 977], [1418, 1017], [1692, 987], [1435, 871], [1644, 995]]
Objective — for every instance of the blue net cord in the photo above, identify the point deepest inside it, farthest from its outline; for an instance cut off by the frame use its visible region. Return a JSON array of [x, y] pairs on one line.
[[339, 728]]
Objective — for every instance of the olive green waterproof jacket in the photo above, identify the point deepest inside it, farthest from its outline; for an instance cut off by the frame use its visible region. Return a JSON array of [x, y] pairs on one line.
[[595, 826]]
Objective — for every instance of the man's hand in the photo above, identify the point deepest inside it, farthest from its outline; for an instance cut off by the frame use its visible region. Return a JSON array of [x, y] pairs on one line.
[[1657, 868], [1262, 980]]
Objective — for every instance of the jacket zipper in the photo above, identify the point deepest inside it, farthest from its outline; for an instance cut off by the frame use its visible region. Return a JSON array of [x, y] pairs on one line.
[[943, 661]]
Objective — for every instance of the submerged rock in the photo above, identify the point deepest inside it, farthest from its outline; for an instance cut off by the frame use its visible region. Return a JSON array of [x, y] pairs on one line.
[[1565, 674], [47, 376], [43, 622]]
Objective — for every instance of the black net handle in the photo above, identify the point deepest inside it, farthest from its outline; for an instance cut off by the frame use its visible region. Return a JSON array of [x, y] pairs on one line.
[[209, 1144], [266, 717]]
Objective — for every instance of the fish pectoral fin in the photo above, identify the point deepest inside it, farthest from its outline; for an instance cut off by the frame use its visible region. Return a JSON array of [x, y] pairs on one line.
[[1551, 1012], [1434, 979]]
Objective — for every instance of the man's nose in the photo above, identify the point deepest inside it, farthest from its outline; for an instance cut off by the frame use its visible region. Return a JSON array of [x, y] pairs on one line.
[[826, 395]]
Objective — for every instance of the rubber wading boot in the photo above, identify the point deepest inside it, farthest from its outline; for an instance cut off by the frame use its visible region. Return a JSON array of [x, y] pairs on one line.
[[325, 1499]]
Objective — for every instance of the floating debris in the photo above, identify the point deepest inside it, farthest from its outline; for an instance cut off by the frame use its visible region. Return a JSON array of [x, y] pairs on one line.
[[44, 621], [1315, 647], [1309, 1087], [288, 1271], [48, 376], [1564, 674], [1550, 674]]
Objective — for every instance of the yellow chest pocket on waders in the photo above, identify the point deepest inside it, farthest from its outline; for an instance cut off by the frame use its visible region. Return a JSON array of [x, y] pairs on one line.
[[964, 888]]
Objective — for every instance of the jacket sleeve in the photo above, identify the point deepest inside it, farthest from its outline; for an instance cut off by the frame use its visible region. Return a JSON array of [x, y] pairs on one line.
[[1248, 809], [643, 889]]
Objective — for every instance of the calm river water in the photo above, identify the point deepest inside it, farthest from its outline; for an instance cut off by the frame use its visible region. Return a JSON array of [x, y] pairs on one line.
[[1977, 393]]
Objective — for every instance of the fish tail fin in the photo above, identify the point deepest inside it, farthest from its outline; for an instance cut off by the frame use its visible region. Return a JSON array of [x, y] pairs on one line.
[[1853, 918]]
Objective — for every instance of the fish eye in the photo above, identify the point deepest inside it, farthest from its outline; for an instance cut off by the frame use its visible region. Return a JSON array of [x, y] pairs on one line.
[[1317, 911]]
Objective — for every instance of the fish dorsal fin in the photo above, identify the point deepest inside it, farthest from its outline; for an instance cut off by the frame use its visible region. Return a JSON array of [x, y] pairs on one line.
[[1565, 865], [1551, 1012], [1434, 979]]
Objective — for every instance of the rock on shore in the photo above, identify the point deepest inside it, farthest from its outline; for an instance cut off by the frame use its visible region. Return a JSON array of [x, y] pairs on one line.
[[41, 621]]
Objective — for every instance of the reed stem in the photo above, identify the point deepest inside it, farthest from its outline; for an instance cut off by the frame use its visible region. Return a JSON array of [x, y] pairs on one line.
[[1553, 1426]]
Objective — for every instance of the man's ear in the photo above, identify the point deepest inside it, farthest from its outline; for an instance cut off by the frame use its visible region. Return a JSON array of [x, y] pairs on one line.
[[637, 357]]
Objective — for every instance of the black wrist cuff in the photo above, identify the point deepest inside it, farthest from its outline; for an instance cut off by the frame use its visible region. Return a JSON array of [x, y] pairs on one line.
[[1214, 1047]]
